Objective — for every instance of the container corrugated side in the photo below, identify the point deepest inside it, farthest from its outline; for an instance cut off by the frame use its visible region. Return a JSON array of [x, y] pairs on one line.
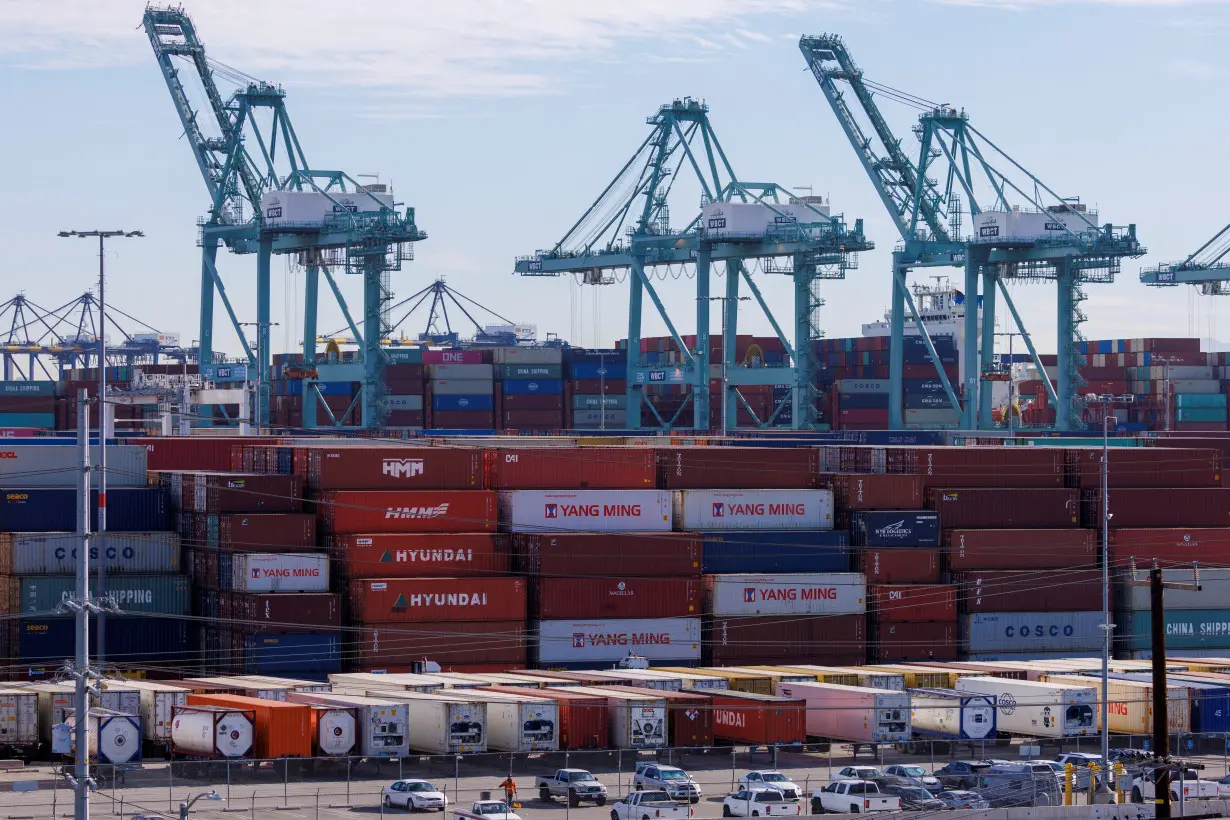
[[58, 466], [912, 603], [991, 508], [608, 641], [586, 510], [1030, 590], [711, 510], [54, 509], [1019, 632], [1195, 629], [38, 553], [1171, 546], [420, 554], [752, 468], [445, 642], [378, 600], [394, 468], [776, 551], [1020, 549], [602, 598], [157, 594], [364, 511], [570, 468], [837, 593], [1214, 591], [136, 640], [278, 572], [832, 640], [658, 554]]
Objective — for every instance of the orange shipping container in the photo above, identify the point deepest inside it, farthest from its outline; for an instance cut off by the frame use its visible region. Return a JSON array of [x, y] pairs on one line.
[[417, 555], [351, 511], [282, 729]]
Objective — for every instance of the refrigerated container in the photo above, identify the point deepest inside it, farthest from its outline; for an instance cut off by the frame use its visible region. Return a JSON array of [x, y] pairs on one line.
[[55, 700], [212, 732], [1129, 704], [712, 510], [637, 721], [381, 723], [441, 723], [584, 721], [1214, 592], [518, 723], [1036, 709], [112, 737], [18, 719], [689, 715], [158, 702], [947, 713], [549, 511], [868, 678], [1209, 701], [835, 593], [852, 713]]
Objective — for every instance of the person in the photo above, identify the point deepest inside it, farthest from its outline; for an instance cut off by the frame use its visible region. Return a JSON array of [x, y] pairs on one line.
[[510, 790]]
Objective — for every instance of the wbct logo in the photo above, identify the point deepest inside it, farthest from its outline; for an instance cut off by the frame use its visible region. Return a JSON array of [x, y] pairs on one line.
[[402, 467]]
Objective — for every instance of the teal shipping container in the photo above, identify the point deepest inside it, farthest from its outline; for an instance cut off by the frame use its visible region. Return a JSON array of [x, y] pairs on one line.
[[1204, 414], [1185, 629], [1191, 401], [42, 421], [531, 371], [27, 388], [407, 355], [158, 594]]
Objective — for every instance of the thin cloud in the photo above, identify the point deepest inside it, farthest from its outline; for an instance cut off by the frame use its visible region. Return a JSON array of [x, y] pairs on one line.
[[1021, 5]]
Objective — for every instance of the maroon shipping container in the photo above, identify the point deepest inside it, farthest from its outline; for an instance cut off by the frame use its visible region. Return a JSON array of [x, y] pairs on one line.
[[737, 468], [758, 720], [418, 555], [1020, 549], [395, 468], [402, 371], [934, 641], [653, 554], [1211, 547], [401, 643], [827, 640], [906, 603], [409, 600], [532, 419], [900, 566], [979, 466], [191, 452], [363, 511], [690, 714], [584, 720], [565, 599], [533, 402], [1161, 507], [571, 468], [404, 418], [266, 532], [1147, 467], [463, 419], [1030, 591], [598, 387], [240, 492], [281, 611], [982, 508], [877, 492]]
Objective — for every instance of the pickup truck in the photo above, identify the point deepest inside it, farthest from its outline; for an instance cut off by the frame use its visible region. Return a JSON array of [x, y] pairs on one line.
[[577, 785], [759, 803], [670, 779], [1193, 788], [486, 810], [649, 805], [852, 797]]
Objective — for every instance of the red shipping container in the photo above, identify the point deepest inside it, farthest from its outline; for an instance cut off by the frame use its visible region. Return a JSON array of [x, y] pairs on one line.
[[560, 599], [1171, 547], [827, 640], [982, 508], [408, 600], [416, 555], [906, 603], [584, 720], [403, 370], [598, 387], [533, 402], [877, 492], [571, 468], [900, 566], [394, 468], [863, 416], [737, 468], [281, 611], [532, 419], [458, 642], [282, 729], [979, 466], [1020, 549], [608, 554], [758, 720], [1162, 507], [363, 511], [239, 492], [463, 419], [1147, 467], [1030, 591], [405, 418], [191, 452], [266, 532], [933, 641], [690, 714]]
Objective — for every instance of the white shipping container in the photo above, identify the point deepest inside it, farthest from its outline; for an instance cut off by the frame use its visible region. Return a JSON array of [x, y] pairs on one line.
[[462, 387], [249, 688], [212, 732], [1130, 704], [707, 510], [519, 724], [157, 704], [948, 714], [586, 510], [441, 724], [607, 641], [36, 465], [280, 572], [380, 722], [483, 372], [56, 701], [813, 593], [853, 713], [1213, 594], [112, 737], [18, 719], [1038, 709], [55, 553], [292, 684], [1195, 386], [637, 721], [335, 730]]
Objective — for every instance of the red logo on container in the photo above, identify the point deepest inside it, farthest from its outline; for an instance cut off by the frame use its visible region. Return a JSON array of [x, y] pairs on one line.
[[578, 640], [749, 595], [552, 511], [717, 509]]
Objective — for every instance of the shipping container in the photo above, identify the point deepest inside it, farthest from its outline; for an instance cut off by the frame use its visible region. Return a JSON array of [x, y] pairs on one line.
[[382, 645], [132, 639], [581, 510], [1214, 592], [157, 704], [1036, 709], [877, 491], [776, 551], [366, 511], [333, 730], [900, 566], [516, 723], [447, 723], [757, 720], [1202, 629], [288, 652], [158, 594], [236, 492], [392, 555], [1165, 507], [282, 611], [394, 468], [456, 370], [38, 553], [737, 468], [609, 641], [437, 599], [54, 509], [1146, 467], [689, 716], [982, 467], [112, 737], [584, 722], [570, 468], [260, 532], [615, 598], [1129, 704], [852, 713], [29, 465], [952, 715], [754, 509], [1209, 703], [1209, 546], [213, 732], [18, 720], [380, 724], [822, 639], [895, 528], [277, 572], [637, 720], [608, 554], [837, 593], [1030, 590], [906, 603], [1022, 549], [984, 508], [1023, 632], [926, 641], [281, 729]]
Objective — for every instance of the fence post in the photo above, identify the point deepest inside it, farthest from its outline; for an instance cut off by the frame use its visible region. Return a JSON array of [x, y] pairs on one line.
[[318, 804], [170, 785], [252, 816], [457, 779], [228, 784], [348, 763], [285, 780], [619, 768], [733, 766]]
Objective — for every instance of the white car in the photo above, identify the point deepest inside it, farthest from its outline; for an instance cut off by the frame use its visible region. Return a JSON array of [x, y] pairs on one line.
[[772, 780], [858, 773], [487, 810], [413, 795], [1223, 787]]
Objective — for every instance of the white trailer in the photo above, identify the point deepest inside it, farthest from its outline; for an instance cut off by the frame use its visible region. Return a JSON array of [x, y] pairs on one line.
[[517, 723], [853, 713], [18, 719], [1129, 704], [56, 700], [157, 703], [1037, 709], [947, 713], [381, 723], [637, 721], [442, 723]]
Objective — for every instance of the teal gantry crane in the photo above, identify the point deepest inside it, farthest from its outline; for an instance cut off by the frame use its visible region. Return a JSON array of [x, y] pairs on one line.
[[265, 199], [627, 232], [1206, 268], [1020, 230]]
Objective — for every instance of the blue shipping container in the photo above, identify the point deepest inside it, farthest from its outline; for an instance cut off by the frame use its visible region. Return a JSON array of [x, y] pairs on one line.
[[863, 401], [470, 401], [1015, 632], [43, 421], [317, 653], [533, 387], [616, 368], [779, 551], [897, 528], [134, 640], [54, 509], [587, 355], [926, 401], [1210, 702]]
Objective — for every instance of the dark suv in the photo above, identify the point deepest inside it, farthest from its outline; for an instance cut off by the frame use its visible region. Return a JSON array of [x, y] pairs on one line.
[[961, 774]]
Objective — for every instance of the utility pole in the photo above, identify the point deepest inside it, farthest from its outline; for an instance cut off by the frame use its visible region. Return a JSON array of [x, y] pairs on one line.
[[80, 779], [103, 236]]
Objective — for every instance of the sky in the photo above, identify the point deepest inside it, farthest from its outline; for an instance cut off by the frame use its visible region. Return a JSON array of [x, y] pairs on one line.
[[500, 121]]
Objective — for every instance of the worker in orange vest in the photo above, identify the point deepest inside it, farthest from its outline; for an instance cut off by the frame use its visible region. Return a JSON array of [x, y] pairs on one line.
[[510, 790]]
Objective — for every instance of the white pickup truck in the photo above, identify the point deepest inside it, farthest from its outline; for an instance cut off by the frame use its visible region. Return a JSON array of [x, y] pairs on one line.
[[650, 805], [853, 797], [486, 810], [1144, 789], [578, 785], [759, 803]]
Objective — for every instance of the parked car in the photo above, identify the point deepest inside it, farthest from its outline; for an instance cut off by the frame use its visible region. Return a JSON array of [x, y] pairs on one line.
[[853, 797], [487, 810], [1190, 787], [670, 779], [772, 780], [575, 784], [759, 802], [1019, 784], [914, 798], [650, 804], [858, 773], [961, 799], [916, 775], [413, 795], [1223, 787], [961, 774]]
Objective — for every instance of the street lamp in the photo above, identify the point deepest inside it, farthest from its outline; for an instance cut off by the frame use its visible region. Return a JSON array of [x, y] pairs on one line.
[[101, 530], [187, 804]]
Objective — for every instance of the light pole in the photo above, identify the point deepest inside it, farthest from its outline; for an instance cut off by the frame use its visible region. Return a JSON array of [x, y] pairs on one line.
[[188, 804], [101, 530]]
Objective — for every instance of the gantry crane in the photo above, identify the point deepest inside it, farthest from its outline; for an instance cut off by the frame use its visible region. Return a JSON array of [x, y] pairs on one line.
[[1021, 230], [627, 232], [1206, 268], [265, 199]]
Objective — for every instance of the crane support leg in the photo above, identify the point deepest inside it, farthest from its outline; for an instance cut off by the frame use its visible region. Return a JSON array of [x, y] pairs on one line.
[[805, 351], [1066, 287], [700, 382], [205, 355], [730, 327], [311, 298], [990, 276], [264, 260], [969, 352], [636, 293], [373, 356], [896, 347]]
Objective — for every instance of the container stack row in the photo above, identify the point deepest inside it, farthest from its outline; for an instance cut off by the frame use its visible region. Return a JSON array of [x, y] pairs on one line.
[[597, 385], [530, 389], [461, 390], [854, 379]]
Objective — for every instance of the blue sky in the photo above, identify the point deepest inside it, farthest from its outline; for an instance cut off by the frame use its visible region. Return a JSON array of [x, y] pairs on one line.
[[501, 120]]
